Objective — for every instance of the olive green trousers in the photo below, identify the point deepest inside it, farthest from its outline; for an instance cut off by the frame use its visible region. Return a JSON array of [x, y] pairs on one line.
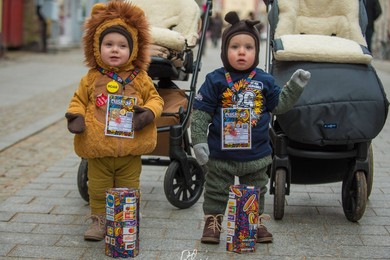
[[111, 172], [221, 174]]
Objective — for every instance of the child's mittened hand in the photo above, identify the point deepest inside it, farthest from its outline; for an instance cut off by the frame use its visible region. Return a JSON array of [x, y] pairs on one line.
[[142, 117], [202, 153], [76, 123], [300, 77]]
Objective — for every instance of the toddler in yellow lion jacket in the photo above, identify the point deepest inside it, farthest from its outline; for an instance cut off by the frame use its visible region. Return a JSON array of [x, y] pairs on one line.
[[116, 48]]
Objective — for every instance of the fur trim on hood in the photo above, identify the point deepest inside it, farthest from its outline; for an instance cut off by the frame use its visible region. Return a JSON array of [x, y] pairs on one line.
[[131, 17]]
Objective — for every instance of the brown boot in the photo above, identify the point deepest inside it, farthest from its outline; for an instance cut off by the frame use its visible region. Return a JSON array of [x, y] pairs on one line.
[[97, 230], [263, 236], [212, 229]]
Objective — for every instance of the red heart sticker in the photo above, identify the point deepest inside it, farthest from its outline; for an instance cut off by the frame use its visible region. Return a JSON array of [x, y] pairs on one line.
[[101, 100]]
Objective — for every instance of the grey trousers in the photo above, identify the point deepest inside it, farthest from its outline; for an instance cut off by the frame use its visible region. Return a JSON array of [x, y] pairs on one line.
[[221, 174]]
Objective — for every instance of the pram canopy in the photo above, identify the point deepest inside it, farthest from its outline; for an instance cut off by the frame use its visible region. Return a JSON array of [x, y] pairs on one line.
[[342, 104]]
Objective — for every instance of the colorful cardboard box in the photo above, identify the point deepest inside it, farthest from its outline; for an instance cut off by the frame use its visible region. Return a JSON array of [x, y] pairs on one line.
[[243, 214], [122, 222]]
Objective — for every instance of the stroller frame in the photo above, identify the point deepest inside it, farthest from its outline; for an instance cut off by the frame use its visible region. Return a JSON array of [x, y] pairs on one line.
[[300, 163], [184, 177]]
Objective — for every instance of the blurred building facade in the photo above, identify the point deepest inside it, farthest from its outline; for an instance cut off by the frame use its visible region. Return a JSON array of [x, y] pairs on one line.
[[42, 25], [49, 25]]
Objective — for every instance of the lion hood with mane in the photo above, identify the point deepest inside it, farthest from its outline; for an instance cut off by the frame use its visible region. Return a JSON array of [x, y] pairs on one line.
[[127, 15]]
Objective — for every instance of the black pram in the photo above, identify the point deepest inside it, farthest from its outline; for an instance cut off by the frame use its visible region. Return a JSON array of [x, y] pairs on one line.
[[327, 136]]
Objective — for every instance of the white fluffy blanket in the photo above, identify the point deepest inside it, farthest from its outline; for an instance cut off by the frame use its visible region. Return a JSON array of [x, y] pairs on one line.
[[321, 31], [172, 21]]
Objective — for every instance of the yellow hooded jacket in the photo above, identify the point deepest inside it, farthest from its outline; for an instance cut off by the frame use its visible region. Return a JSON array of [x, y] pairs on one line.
[[93, 143]]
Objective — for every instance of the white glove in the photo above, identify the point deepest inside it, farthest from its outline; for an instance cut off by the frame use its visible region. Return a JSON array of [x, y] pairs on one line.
[[300, 77], [202, 153]]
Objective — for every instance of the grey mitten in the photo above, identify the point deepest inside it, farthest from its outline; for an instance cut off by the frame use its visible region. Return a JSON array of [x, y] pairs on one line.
[[202, 153], [300, 77], [142, 117], [76, 123]]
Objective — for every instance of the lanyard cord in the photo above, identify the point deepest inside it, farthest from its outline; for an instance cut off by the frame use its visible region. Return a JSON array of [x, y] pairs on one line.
[[235, 87], [247, 80], [117, 78]]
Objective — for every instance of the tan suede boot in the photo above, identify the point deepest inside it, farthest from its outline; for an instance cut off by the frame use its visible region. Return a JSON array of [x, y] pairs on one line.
[[212, 229], [263, 236], [97, 230]]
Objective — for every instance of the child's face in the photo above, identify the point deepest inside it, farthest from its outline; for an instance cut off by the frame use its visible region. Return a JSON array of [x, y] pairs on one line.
[[115, 50], [241, 51]]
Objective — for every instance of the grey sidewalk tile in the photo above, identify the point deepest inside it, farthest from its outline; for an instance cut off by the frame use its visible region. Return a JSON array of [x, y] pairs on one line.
[[146, 233], [149, 214], [167, 223], [70, 187], [6, 216], [383, 212], [6, 248], [297, 228], [28, 239], [301, 210], [311, 188], [71, 210], [47, 252], [25, 208], [74, 193], [62, 201], [185, 233], [51, 180], [51, 229], [50, 173], [18, 200], [166, 244], [357, 230], [17, 227], [42, 193], [376, 221], [97, 254], [300, 201], [78, 242], [195, 212], [43, 219], [330, 240], [365, 252], [36, 186], [376, 240]]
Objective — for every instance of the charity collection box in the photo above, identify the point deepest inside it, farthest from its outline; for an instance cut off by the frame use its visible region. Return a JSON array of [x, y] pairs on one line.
[[122, 222], [243, 214]]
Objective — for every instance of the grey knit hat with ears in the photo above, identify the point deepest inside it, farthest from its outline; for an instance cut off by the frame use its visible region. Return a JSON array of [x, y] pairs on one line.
[[238, 26]]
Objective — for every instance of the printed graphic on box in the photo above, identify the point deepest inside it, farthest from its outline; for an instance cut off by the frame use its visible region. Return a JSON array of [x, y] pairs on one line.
[[243, 214], [122, 222]]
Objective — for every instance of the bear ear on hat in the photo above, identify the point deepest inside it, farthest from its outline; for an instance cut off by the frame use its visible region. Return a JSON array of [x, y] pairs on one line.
[[232, 17], [97, 8], [251, 23]]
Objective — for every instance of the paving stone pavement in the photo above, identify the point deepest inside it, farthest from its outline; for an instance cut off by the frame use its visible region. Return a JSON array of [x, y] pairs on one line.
[[42, 214]]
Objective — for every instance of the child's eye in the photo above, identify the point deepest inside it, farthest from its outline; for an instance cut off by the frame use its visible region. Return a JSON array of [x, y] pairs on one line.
[[108, 44]]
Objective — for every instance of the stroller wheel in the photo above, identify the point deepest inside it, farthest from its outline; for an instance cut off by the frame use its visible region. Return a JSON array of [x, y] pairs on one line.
[[370, 173], [280, 193], [179, 193], [82, 179], [354, 196]]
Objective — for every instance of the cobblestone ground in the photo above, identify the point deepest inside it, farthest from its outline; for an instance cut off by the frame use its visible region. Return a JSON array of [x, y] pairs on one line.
[[25, 160]]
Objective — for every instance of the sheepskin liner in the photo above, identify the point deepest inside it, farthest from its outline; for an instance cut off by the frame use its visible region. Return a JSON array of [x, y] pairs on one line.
[[173, 23], [320, 31]]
